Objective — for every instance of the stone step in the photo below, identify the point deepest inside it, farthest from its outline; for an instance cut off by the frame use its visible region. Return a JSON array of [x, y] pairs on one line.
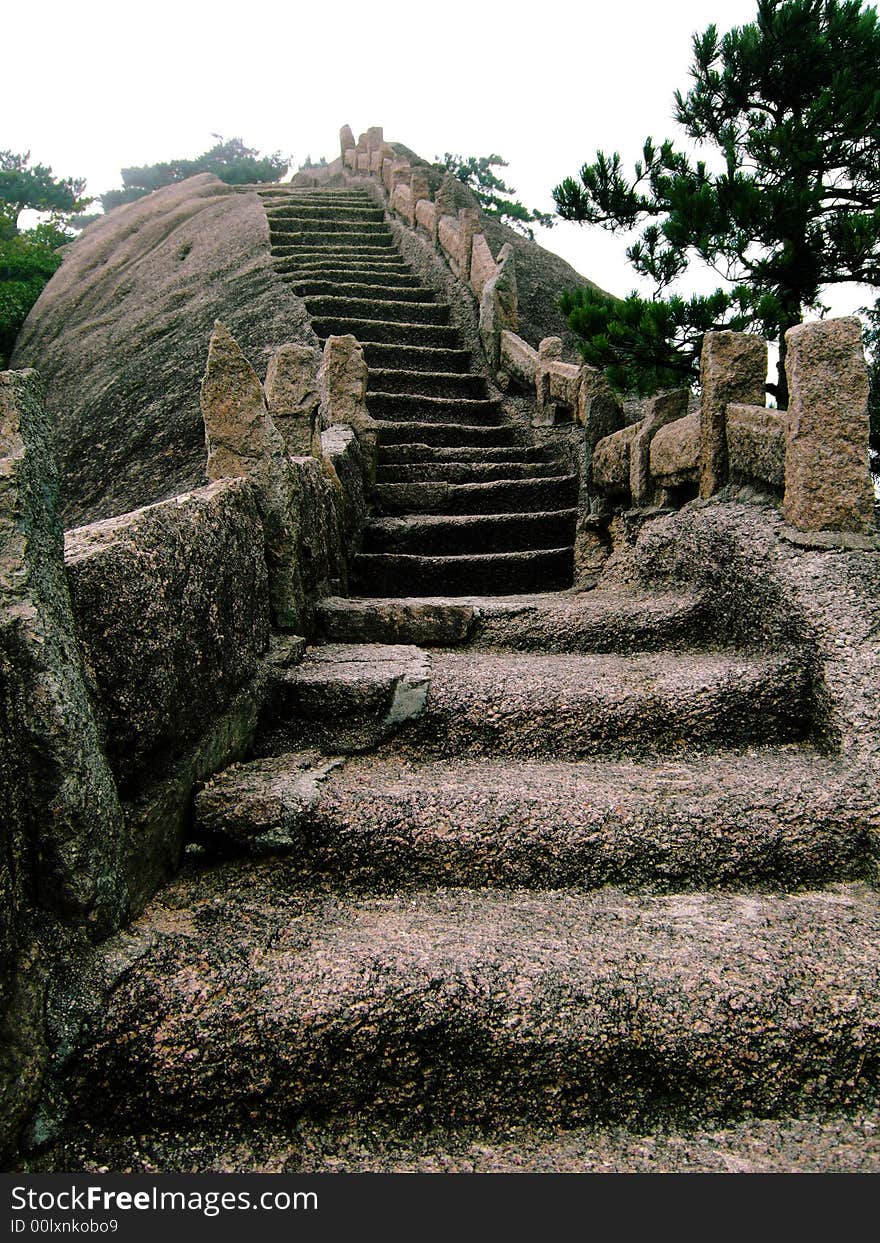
[[478, 454], [427, 383], [460, 435], [565, 706], [595, 621], [316, 228], [496, 497], [351, 258], [398, 333], [775, 816], [237, 994], [308, 281], [330, 243], [463, 472], [382, 310], [471, 533], [570, 706], [428, 408], [363, 291], [279, 194], [384, 574], [836, 1143], [414, 357], [335, 213], [371, 274]]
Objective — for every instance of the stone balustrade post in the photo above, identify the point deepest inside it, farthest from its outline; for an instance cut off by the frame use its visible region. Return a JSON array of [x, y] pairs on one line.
[[827, 482], [733, 368]]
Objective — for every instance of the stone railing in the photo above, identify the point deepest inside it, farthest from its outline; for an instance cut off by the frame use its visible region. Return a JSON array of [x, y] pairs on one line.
[[815, 454], [134, 651], [561, 390]]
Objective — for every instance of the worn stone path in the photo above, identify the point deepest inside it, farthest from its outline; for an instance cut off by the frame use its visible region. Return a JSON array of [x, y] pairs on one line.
[[536, 881], [464, 503]]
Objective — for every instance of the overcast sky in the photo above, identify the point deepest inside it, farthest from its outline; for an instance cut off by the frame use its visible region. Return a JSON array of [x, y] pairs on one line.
[[91, 86]]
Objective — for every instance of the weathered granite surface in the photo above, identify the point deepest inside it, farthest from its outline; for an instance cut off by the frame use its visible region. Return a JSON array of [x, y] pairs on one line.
[[61, 821], [172, 607]]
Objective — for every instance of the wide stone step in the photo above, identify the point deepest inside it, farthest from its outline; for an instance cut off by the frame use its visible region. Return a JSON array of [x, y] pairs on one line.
[[460, 435], [239, 994], [444, 335], [429, 408], [478, 454], [595, 621], [350, 258], [388, 574], [370, 274], [287, 222], [332, 213], [414, 357], [472, 533], [497, 497], [463, 472], [381, 309], [364, 291], [836, 1143], [427, 383], [777, 816], [281, 194], [333, 243], [571, 706], [362, 284]]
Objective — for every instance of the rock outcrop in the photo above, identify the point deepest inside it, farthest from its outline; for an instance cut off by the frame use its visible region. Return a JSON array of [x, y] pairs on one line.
[[119, 336]]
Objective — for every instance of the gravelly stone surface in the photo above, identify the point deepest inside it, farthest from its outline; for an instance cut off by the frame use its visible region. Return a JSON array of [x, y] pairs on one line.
[[236, 996], [571, 621], [766, 817], [790, 1145], [571, 705]]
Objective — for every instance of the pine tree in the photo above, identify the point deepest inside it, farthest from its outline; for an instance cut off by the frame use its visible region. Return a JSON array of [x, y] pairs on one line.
[[494, 196], [788, 207]]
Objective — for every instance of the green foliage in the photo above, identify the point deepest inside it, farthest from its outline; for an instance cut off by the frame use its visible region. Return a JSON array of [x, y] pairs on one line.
[[27, 260], [29, 257], [495, 198], [646, 345], [229, 159], [791, 203], [24, 186]]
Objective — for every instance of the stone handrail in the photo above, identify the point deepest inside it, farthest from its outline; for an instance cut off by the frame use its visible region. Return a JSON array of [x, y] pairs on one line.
[[815, 453], [458, 236]]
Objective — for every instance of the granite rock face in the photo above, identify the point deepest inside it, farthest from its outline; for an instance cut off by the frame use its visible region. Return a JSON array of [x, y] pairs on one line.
[[68, 810], [119, 336], [172, 606], [61, 824]]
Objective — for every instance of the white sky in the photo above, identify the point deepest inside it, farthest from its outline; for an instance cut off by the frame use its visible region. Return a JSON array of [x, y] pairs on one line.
[[91, 86]]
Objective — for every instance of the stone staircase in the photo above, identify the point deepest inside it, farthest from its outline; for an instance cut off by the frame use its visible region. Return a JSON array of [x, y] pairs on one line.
[[510, 871], [464, 503], [514, 878]]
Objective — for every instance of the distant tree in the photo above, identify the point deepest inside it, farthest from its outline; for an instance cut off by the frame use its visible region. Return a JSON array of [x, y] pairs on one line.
[[25, 186], [229, 159], [28, 257], [790, 207], [495, 198], [308, 162]]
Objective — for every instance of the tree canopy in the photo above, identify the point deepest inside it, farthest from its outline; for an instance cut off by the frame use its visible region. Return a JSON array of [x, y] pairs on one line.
[[495, 198], [28, 257], [229, 159], [23, 186], [787, 205]]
